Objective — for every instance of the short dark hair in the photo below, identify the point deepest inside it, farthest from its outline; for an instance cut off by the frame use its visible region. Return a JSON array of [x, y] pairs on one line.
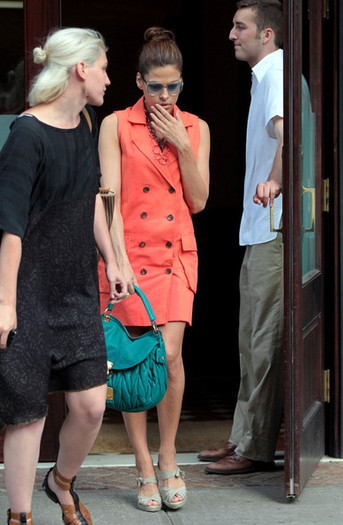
[[268, 13]]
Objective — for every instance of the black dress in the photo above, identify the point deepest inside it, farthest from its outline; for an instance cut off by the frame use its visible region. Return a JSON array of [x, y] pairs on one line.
[[49, 178]]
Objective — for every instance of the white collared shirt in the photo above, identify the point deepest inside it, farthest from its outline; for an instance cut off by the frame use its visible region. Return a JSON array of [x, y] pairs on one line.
[[261, 146]]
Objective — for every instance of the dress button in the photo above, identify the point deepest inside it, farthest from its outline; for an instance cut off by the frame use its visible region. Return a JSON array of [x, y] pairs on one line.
[[143, 271], [170, 217], [168, 271], [146, 189], [169, 244], [144, 215], [142, 244], [171, 190]]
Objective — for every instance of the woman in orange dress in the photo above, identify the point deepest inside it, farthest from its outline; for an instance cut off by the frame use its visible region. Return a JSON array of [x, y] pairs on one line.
[[155, 158]]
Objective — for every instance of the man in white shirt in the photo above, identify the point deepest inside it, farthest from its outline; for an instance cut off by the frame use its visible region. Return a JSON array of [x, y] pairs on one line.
[[257, 37]]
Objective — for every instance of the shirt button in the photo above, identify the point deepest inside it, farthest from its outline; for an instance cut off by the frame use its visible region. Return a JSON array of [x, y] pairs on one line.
[[143, 271], [142, 244], [169, 244], [144, 215], [168, 271], [170, 217], [146, 189], [171, 190]]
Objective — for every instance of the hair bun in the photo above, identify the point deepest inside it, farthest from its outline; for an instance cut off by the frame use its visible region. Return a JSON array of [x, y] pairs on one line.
[[158, 33], [40, 56]]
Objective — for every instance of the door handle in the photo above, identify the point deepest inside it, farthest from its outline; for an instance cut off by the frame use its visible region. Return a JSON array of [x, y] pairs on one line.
[[312, 192], [272, 229]]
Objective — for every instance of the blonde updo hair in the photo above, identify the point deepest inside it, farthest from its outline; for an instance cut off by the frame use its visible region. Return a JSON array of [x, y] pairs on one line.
[[63, 48], [159, 50]]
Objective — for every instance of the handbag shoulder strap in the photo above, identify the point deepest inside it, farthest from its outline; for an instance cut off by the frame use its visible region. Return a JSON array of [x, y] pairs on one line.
[[88, 118], [145, 301]]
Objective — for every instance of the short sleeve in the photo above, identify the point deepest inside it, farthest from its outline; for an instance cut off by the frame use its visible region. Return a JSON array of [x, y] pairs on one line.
[[273, 99], [19, 162]]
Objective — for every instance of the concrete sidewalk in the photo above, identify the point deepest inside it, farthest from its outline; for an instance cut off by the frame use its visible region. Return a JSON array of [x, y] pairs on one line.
[[106, 485]]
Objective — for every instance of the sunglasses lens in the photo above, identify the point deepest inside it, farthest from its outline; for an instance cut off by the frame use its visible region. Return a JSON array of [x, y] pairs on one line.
[[174, 88], [154, 88]]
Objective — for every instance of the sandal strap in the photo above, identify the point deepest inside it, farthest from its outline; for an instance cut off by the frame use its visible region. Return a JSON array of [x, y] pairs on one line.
[[143, 481], [61, 481], [178, 473], [22, 518]]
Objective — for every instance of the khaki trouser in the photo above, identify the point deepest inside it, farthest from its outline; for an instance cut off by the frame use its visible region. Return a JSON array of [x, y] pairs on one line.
[[259, 407]]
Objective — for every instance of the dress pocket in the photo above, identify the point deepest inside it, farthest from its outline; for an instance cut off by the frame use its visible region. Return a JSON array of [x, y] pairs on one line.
[[189, 260]]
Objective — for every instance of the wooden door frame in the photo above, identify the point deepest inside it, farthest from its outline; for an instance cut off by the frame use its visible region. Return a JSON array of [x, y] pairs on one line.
[[304, 407], [337, 409], [40, 17], [290, 163]]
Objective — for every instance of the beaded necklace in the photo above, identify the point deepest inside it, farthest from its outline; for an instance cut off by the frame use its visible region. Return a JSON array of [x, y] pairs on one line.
[[160, 148]]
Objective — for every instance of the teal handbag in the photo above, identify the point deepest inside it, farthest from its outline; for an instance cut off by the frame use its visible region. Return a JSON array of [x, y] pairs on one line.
[[137, 366]]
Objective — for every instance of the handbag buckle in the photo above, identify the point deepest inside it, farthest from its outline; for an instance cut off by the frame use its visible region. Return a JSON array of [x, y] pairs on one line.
[[109, 393], [106, 316], [109, 367]]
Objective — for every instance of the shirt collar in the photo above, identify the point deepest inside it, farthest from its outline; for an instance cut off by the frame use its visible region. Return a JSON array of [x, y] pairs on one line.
[[260, 69]]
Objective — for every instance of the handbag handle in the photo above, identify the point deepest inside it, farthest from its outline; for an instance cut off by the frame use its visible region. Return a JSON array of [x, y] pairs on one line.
[[146, 303]]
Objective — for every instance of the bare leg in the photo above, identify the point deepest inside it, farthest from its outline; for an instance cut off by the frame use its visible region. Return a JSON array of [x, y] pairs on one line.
[[78, 434], [168, 415], [136, 427], [169, 409], [21, 451]]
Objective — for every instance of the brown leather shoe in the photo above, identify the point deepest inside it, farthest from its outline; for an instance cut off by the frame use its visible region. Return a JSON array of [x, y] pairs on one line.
[[215, 454], [76, 514], [237, 464]]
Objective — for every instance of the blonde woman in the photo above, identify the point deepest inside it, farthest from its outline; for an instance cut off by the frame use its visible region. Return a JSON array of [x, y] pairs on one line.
[[51, 219]]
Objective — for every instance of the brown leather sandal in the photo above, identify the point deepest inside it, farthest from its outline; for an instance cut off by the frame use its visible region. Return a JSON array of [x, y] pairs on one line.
[[21, 518], [76, 514]]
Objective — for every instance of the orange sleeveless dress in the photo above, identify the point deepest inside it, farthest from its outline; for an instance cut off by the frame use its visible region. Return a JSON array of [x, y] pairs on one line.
[[158, 228]]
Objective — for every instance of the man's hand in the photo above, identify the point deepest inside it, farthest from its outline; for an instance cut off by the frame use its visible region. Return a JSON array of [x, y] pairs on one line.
[[267, 191]]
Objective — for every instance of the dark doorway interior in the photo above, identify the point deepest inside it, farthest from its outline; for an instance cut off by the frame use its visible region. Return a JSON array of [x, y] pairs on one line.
[[216, 89]]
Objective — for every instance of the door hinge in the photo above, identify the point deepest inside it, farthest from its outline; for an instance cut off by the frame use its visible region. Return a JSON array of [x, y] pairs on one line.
[[326, 9], [326, 195], [327, 386]]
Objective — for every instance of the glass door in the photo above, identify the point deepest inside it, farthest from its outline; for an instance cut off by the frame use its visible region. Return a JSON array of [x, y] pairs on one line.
[[304, 370]]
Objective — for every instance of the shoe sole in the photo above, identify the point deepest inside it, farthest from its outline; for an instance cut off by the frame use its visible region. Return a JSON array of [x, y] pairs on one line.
[[257, 468], [149, 508], [210, 460], [228, 472], [174, 506]]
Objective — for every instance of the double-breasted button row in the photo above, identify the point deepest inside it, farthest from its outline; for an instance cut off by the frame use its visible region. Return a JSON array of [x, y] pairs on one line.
[[167, 271], [144, 215], [146, 189], [168, 244]]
